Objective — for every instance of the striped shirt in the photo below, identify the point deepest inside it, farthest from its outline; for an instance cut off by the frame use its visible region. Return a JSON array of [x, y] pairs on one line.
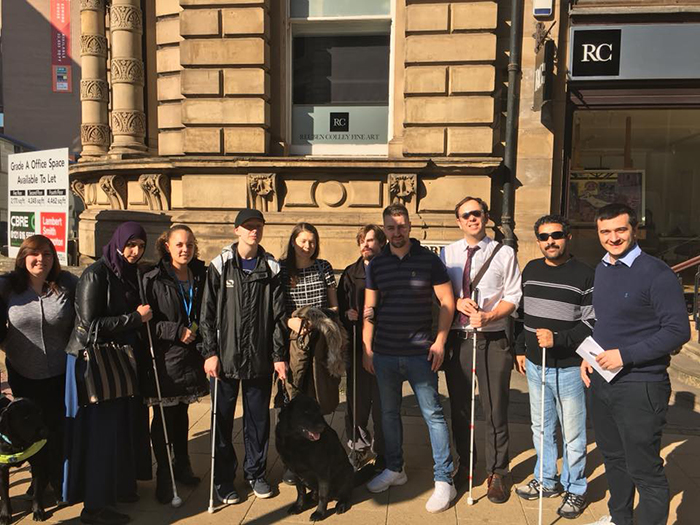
[[404, 316], [559, 298]]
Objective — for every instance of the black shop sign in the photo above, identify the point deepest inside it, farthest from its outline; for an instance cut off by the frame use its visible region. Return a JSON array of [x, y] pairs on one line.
[[596, 53]]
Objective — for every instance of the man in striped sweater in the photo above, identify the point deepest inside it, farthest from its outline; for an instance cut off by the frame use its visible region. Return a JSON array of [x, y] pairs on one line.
[[558, 305]]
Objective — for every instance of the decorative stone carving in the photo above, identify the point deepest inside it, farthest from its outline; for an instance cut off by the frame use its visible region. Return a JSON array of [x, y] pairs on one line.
[[94, 89], [126, 17], [332, 193], [402, 188], [156, 187], [78, 188], [93, 45], [91, 5], [129, 122], [262, 191], [114, 187], [129, 70], [94, 134]]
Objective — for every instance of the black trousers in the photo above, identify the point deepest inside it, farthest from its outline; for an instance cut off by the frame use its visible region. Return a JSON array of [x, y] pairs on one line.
[[367, 401], [178, 422], [628, 418], [256, 427], [49, 395], [494, 363]]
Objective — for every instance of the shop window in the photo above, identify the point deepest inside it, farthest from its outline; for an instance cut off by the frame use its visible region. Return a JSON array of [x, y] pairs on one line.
[[340, 56], [647, 158]]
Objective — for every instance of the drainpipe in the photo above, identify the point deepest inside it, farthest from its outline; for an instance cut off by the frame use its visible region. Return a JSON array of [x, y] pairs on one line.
[[511, 149]]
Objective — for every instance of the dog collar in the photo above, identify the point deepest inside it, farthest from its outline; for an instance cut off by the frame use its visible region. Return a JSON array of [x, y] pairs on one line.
[[9, 459]]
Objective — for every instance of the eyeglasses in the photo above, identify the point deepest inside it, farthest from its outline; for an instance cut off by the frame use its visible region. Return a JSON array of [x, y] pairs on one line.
[[544, 237], [475, 213]]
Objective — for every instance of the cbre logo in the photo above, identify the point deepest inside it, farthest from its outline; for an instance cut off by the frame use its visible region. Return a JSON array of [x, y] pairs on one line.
[[340, 122], [596, 53]]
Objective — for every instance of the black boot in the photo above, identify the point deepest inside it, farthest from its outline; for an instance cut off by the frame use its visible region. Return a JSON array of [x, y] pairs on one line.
[[164, 486], [183, 472]]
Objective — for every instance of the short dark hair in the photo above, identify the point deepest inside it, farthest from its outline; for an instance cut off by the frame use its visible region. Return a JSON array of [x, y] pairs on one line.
[[378, 233], [554, 219], [395, 209], [616, 209], [484, 206]]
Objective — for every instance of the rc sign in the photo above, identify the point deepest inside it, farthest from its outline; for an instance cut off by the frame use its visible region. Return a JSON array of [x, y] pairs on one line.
[[38, 199]]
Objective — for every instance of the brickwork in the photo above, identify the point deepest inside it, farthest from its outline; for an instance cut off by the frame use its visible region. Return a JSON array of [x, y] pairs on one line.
[[169, 93], [224, 55], [450, 76]]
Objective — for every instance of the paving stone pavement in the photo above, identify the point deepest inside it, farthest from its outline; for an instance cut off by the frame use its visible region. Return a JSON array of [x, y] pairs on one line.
[[405, 504]]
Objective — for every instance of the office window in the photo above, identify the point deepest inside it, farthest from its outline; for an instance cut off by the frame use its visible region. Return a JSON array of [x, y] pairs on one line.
[[340, 55]]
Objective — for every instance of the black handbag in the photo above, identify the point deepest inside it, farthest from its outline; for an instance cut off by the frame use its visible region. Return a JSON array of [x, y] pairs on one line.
[[109, 369]]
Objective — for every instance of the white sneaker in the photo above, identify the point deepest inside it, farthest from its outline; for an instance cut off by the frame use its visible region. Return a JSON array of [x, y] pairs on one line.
[[387, 478], [605, 520], [442, 496]]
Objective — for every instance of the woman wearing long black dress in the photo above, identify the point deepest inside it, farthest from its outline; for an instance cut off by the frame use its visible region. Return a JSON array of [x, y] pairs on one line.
[[174, 290], [109, 439]]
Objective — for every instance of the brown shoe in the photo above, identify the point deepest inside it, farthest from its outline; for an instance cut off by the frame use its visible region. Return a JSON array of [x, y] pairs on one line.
[[499, 491]]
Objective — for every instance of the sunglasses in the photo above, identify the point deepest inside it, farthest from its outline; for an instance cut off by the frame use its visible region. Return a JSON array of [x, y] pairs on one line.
[[544, 237], [474, 213]]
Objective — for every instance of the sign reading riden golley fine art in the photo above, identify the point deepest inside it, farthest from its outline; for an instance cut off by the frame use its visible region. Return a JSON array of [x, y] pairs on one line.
[[38, 199]]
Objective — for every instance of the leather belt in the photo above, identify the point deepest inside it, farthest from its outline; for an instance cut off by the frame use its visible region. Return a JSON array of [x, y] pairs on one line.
[[468, 334]]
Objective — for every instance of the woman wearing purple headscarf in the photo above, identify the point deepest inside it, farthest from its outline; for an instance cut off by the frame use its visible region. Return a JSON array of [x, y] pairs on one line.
[[109, 442]]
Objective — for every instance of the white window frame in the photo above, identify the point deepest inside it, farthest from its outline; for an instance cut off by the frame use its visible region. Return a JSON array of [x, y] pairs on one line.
[[339, 150]]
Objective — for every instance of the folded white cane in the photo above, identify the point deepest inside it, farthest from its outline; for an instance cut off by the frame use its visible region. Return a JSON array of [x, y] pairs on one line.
[[470, 499], [544, 356], [213, 446], [177, 501]]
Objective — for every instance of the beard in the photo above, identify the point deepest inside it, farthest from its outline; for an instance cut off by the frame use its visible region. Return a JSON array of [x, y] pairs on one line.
[[399, 243]]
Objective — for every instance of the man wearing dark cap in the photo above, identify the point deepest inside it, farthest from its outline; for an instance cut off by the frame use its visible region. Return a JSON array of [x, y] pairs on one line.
[[244, 330]]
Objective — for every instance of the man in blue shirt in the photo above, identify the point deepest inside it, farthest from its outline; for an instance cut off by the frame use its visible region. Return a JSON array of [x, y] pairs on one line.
[[399, 346], [641, 318]]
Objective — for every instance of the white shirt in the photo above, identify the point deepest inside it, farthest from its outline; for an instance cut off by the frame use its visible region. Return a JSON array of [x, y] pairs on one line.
[[501, 282]]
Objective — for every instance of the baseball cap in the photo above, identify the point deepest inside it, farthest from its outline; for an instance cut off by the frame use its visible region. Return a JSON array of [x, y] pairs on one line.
[[246, 214]]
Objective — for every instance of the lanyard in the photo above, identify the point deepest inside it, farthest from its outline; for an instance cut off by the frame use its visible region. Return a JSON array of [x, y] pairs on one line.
[[187, 299]]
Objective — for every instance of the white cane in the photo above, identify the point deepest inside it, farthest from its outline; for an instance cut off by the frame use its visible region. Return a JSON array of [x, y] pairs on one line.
[[213, 446], [544, 368], [354, 397], [470, 499], [177, 501]]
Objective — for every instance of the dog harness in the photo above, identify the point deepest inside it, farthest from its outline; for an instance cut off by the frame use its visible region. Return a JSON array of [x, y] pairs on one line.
[[11, 459]]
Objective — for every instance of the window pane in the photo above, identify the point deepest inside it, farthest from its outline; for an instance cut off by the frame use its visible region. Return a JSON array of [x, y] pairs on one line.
[[340, 124], [330, 8], [657, 148], [341, 69]]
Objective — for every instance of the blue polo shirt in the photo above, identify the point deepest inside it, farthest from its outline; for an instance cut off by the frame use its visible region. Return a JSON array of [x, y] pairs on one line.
[[404, 316]]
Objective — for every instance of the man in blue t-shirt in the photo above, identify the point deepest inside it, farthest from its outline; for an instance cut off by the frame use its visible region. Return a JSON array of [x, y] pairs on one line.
[[641, 318], [399, 346]]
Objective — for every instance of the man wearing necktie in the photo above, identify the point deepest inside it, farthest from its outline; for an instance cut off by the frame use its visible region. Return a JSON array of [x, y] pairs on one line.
[[499, 293]]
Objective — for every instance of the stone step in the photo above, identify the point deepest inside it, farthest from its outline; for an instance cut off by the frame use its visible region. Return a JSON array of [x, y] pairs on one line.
[[692, 350]]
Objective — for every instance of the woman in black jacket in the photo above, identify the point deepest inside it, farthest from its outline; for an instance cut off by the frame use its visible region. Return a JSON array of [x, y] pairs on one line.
[[174, 290], [109, 445]]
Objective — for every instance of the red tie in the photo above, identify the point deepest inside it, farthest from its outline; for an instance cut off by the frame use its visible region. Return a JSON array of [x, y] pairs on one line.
[[466, 280]]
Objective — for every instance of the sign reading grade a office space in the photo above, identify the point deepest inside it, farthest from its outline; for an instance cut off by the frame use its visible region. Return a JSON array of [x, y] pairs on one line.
[[38, 199]]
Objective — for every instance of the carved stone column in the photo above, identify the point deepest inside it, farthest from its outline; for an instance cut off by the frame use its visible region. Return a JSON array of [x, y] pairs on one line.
[[94, 93], [127, 76]]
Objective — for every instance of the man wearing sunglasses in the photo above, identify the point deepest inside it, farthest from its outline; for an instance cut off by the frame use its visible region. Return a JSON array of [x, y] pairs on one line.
[[499, 293], [558, 307]]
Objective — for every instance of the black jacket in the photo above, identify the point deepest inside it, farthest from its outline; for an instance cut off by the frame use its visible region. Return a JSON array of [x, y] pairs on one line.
[[351, 296], [100, 294], [253, 328], [180, 366]]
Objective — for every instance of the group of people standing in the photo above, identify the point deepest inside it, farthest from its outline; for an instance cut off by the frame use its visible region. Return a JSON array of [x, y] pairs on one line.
[[244, 321]]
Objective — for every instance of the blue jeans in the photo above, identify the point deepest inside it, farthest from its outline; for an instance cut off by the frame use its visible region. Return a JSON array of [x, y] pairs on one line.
[[391, 372], [565, 400]]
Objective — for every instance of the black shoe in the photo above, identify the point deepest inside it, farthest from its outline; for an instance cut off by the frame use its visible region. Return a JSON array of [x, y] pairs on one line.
[[226, 493], [164, 487], [183, 473], [572, 506], [261, 488], [289, 478], [105, 516]]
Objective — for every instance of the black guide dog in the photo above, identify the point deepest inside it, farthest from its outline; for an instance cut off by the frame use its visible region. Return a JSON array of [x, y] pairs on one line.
[[310, 448], [22, 430]]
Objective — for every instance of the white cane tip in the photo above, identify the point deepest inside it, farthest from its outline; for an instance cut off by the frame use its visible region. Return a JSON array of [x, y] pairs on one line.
[[210, 510], [470, 501], [176, 502]]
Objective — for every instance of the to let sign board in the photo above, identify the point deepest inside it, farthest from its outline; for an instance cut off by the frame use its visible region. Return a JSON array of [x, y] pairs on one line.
[[544, 74], [38, 199]]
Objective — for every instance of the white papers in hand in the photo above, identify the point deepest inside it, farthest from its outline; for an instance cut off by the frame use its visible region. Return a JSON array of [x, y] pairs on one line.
[[589, 349]]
